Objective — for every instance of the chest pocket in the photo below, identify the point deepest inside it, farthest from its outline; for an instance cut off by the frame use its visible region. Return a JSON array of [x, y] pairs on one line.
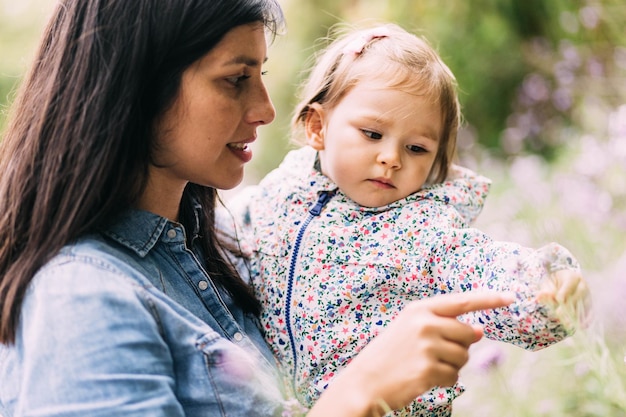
[[223, 379]]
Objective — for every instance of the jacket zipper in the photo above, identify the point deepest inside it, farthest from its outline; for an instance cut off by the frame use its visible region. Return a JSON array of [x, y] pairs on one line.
[[324, 198]]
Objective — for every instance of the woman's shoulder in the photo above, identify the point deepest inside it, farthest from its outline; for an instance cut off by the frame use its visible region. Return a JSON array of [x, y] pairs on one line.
[[90, 263], [92, 279]]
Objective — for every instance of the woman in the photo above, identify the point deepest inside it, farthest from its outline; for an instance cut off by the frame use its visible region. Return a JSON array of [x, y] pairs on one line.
[[117, 296]]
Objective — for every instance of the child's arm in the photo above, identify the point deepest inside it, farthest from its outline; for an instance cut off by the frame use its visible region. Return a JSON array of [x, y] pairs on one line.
[[547, 282]]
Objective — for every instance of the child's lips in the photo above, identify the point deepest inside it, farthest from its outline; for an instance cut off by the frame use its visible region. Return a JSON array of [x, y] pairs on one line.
[[383, 182]]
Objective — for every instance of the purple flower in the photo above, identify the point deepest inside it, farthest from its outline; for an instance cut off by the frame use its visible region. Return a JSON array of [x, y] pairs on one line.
[[488, 357], [589, 17], [293, 408]]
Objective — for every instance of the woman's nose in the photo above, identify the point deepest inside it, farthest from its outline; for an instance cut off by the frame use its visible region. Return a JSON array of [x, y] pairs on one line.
[[262, 110]]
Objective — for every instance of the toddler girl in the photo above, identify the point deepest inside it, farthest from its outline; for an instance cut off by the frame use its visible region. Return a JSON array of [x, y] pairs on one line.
[[371, 213]]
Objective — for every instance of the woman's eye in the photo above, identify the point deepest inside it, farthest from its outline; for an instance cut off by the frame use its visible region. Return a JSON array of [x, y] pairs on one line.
[[371, 135], [416, 149], [237, 80]]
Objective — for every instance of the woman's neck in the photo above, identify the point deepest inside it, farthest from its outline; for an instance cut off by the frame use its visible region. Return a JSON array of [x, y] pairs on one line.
[[161, 195]]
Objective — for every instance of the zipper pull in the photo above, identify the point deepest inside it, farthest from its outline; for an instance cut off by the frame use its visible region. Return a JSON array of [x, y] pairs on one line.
[[325, 197]]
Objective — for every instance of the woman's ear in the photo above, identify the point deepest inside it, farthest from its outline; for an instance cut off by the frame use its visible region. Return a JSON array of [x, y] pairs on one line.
[[314, 126]]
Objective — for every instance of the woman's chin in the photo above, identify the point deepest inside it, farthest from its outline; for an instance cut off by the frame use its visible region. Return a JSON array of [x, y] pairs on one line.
[[227, 183]]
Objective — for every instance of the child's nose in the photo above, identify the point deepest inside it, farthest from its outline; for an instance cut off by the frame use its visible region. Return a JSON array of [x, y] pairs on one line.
[[390, 157]]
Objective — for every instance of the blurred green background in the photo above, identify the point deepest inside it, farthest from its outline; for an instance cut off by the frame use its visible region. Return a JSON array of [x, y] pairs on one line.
[[543, 90]]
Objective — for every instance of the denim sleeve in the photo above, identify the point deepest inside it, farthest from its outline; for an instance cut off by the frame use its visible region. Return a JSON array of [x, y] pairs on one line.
[[92, 346]]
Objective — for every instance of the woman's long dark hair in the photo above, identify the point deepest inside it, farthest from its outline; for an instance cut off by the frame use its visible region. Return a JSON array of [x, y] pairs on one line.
[[78, 144]]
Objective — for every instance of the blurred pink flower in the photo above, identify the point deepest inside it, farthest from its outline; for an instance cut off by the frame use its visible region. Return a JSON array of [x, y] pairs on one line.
[[488, 357], [589, 17]]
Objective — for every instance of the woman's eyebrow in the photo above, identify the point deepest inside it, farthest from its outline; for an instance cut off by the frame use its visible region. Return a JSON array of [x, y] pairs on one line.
[[242, 59]]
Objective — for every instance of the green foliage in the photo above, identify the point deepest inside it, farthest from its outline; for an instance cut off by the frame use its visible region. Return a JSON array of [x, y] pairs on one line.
[[20, 26]]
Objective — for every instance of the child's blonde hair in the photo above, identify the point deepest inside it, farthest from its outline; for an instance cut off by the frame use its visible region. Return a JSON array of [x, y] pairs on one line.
[[403, 60]]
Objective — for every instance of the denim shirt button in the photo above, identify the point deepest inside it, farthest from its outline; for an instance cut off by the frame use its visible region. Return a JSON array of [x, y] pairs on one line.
[[171, 233], [203, 285], [238, 337]]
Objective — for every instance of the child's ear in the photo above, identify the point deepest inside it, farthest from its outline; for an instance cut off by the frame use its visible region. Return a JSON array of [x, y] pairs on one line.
[[314, 126]]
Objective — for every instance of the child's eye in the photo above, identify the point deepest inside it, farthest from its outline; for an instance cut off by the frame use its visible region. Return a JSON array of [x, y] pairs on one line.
[[416, 149], [372, 135]]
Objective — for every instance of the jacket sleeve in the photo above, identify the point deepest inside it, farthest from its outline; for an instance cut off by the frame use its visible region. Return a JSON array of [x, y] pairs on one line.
[[478, 262]]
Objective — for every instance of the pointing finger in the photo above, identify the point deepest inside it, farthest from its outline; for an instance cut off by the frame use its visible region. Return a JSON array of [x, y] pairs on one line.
[[453, 305]]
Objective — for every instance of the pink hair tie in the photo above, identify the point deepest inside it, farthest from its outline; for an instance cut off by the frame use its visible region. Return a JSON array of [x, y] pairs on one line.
[[356, 46]]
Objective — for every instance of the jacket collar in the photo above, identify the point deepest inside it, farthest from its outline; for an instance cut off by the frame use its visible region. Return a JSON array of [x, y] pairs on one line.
[[463, 189]]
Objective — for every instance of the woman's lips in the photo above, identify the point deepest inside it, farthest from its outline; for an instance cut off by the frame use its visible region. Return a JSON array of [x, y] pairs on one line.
[[241, 150]]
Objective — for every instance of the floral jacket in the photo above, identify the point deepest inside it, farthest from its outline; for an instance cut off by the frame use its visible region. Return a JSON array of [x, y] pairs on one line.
[[332, 274]]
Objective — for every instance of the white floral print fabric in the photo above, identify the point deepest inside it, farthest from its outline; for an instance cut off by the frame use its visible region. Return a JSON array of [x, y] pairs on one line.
[[331, 282]]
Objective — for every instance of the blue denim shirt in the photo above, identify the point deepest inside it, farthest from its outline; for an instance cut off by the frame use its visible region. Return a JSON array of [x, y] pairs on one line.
[[127, 322]]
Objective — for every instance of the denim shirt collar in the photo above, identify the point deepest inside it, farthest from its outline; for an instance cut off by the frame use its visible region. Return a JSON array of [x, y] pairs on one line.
[[140, 230]]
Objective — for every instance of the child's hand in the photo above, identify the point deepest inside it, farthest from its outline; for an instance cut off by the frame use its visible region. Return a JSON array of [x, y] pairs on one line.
[[567, 292]]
